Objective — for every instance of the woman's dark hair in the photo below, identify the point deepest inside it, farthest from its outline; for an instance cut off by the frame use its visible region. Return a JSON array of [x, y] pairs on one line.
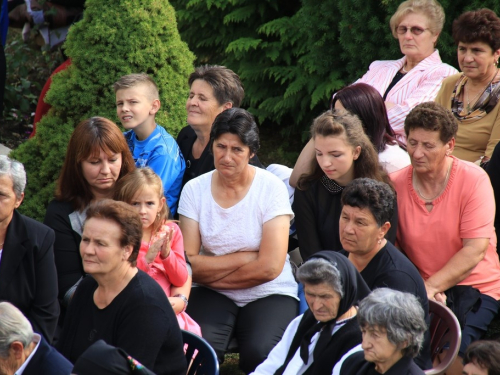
[[126, 217], [225, 83], [377, 196], [88, 138], [485, 354], [431, 116], [239, 122], [481, 25], [343, 124], [365, 102]]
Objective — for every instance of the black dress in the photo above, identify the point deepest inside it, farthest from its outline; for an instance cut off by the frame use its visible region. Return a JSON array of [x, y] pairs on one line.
[[355, 364]]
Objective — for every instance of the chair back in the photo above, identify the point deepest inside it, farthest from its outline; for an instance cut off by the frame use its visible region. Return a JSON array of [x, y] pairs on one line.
[[200, 356], [445, 334]]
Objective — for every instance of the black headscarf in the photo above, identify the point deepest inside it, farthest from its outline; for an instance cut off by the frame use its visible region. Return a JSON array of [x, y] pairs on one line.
[[354, 289]]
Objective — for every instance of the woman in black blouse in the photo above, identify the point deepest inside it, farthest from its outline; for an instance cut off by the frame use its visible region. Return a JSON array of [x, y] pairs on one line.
[[343, 153]]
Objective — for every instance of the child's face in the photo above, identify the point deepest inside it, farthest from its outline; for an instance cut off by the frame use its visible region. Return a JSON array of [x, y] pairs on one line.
[[148, 204], [135, 108]]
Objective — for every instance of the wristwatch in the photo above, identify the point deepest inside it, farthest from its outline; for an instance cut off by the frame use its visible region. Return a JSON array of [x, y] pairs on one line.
[[184, 298]]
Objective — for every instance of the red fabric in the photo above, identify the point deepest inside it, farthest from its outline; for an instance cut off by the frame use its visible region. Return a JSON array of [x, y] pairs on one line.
[[42, 108]]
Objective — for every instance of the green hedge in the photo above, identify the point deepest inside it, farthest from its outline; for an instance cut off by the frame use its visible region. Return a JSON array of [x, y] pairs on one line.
[[114, 38]]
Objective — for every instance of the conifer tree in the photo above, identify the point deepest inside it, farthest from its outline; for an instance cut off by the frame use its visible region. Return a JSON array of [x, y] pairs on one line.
[[114, 38]]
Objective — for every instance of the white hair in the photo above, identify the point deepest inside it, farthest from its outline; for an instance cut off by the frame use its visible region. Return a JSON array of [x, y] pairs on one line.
[[13, 327]]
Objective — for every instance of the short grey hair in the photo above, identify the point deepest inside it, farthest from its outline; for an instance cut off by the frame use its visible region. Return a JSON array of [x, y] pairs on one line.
[[15, 170], [13, 327], [320, 271], [399, 313]]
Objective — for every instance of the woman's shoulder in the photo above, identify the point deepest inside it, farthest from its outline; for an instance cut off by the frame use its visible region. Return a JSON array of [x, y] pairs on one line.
[[146, 291], [59, 207], [451, 80]]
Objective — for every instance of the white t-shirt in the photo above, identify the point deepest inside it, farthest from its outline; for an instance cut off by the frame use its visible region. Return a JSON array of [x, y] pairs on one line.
[[239, 228], [394, 158]]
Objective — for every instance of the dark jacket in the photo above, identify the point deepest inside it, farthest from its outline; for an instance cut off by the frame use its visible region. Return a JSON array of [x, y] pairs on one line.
[[28, 277], [355, 364], [47, 360]]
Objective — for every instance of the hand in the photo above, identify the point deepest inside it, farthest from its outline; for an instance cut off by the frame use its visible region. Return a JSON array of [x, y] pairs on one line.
[[433, 293], [177, 304], [167, 240], [440, 297]]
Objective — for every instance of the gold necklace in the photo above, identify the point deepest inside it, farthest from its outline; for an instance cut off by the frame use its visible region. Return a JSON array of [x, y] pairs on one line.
[[477, 96], [429, 200]]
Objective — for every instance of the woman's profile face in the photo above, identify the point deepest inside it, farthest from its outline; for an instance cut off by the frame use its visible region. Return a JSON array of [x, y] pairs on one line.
[[477, 60], [8, 199], [100, 247], [359, 231], [101, 172], [377, 347], [416, 47], [336, 157], [201, 106], [231, 155]]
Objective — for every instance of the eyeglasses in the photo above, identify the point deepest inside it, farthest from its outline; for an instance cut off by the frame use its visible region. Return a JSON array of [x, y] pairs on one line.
[[415, 30]]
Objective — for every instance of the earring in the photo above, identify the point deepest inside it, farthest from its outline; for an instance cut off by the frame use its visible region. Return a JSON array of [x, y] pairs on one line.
[[379, 241]]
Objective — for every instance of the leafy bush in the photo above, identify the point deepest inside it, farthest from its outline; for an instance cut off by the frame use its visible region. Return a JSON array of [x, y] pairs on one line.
[[113, 39]]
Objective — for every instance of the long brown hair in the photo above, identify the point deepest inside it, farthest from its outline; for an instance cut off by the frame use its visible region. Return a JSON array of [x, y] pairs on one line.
[[88, 138], [340, 123], [134, 182]]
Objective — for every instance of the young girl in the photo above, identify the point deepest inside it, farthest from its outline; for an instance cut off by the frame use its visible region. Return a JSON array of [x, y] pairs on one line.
[[161, 254]]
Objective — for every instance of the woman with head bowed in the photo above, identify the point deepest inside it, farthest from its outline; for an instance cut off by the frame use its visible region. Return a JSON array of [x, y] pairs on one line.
[[393, 326], [446, 211], [97, 156], [417, 77], [116, 302], [343, 153], [235, 222], [212, 89], [320, 339], [28, 276], [366, 103], [473, 95]]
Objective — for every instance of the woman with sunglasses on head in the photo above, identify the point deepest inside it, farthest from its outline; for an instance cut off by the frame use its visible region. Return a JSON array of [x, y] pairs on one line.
[[417, 77], [473, 95]]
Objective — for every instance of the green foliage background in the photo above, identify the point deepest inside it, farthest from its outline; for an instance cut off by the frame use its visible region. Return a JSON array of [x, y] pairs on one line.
[[113, 39], [292, 55]]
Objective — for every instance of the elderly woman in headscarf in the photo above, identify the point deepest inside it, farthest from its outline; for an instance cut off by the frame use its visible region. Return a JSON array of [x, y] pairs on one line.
[[314, 342]]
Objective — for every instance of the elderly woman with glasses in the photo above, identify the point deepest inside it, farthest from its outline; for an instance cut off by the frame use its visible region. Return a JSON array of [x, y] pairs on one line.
[[417, 76], [393, 326]]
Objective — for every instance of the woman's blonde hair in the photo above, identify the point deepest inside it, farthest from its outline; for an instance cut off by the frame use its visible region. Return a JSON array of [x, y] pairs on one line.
[[128, 186], [341, 123], [428, 8]]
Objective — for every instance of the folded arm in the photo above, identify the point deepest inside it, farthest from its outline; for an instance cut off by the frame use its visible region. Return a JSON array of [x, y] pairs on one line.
[[458, 267], [242, 269]]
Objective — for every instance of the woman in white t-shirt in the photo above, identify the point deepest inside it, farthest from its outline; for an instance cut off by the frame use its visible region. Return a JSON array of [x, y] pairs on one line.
[[235, 222]]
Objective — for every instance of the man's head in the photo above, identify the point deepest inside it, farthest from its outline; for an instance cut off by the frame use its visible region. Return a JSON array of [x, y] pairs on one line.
[[137, 102], [16, 337]]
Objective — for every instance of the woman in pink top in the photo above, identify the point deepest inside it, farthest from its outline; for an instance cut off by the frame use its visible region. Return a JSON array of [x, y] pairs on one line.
[[446, 211]]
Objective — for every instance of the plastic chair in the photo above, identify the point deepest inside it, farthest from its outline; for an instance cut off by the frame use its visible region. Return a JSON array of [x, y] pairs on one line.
[[200, 356], [445, 334]]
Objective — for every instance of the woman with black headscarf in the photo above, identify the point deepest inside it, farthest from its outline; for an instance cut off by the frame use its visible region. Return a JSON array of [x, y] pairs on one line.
[[325, 334]]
